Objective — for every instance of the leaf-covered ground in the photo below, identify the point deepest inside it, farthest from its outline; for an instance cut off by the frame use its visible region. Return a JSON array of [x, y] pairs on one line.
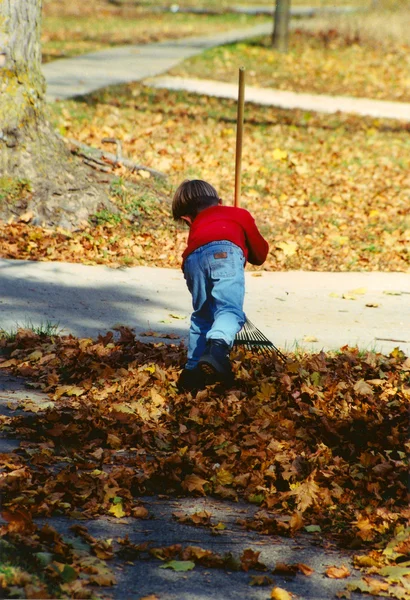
[[318, 443], [323, 61], [329, 193]]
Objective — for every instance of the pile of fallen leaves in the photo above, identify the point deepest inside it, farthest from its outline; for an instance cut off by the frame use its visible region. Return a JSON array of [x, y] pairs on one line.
[[319, 443]]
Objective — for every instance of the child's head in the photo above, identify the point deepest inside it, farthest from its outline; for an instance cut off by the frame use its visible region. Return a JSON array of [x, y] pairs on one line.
[[193, 196]]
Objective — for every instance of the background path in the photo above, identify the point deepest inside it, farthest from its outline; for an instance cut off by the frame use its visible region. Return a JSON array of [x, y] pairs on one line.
[[289, 100]]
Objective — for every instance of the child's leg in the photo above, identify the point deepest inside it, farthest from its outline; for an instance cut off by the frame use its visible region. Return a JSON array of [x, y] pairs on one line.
[[201, 318], [227, 279], [226, 267]]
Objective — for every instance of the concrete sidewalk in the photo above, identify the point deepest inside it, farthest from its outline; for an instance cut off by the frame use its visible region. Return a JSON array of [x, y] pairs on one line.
[[84, 74], [289, 100], [294, 309]]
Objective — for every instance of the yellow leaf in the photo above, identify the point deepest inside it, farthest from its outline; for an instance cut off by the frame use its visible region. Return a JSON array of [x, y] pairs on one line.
[[224, 477], [279, 154], [280, 594], [117, 510], [360, 291], [288, 248], [68, 390], [36, 355]]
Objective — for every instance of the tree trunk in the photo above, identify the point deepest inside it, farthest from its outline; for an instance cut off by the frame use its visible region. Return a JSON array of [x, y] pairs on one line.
[[60, 189], [280, 36]]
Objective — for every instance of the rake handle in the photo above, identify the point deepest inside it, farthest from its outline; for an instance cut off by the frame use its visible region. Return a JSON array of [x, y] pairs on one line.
[[239, 135]]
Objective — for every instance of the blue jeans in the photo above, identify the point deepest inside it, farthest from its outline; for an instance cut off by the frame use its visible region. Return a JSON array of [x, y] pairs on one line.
[[215, 276]]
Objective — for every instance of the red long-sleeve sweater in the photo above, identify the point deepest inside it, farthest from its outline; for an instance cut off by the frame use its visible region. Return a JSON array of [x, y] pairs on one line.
[[228, 223]]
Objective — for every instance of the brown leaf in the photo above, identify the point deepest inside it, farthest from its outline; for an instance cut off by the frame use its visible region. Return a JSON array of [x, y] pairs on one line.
[[19, 520], [194, 483], [337, 572], [250, 560]]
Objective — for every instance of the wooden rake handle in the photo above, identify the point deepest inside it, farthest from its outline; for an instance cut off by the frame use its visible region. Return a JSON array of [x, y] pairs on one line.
[[239, 135]]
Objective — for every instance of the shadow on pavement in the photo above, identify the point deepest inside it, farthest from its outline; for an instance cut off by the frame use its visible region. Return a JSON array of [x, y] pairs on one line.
[[86, 303]]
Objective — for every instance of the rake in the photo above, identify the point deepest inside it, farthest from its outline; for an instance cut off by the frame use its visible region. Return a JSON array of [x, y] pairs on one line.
[[249, 336]]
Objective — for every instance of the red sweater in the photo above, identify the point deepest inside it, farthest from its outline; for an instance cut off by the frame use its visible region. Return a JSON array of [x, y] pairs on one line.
[[228, 223]]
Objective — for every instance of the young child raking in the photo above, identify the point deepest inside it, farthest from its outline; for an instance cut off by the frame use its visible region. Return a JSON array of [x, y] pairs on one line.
[[221, 240]]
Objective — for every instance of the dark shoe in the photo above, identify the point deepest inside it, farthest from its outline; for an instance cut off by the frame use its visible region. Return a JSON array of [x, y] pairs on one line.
[[215, 363], [190, 380]]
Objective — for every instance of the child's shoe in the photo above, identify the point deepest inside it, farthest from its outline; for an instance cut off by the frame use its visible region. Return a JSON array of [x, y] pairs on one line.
[[191, 380], [215, 363]]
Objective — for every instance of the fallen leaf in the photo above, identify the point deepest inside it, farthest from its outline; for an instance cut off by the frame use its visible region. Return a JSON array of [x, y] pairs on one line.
[[260, 580], [179, 565], [337, 572], [117, 510], [288, 248], [194, 483], [280, 594], [279, 154], [363, 388]]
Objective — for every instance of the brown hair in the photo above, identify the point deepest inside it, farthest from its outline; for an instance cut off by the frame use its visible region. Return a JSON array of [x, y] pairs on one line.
[[192, 196]]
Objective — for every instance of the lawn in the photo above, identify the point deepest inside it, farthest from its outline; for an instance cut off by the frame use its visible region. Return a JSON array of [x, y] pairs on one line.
[[320, 61], [330, 193]]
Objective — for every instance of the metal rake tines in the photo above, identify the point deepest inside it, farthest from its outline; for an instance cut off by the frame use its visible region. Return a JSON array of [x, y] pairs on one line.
[[252, 338]]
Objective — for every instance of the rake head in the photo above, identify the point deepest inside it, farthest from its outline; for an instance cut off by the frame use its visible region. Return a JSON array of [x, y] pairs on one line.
[[254, 340]]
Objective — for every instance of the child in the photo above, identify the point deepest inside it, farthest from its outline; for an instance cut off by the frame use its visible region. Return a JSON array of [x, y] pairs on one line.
[[221, 239]]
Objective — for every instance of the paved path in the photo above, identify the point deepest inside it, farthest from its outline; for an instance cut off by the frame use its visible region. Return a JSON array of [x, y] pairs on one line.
[[84, 74], [289, 100], [294, 309]]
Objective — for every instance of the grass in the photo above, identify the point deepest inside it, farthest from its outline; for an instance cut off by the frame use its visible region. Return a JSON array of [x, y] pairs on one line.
[[327, 60], [43, 329], [13, 190]]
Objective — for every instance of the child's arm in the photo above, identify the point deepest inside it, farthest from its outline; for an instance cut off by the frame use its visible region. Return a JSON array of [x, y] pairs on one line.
[[258, 247]]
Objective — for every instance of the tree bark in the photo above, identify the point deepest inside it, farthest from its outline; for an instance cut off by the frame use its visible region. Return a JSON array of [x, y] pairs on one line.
[[61, 191], [280, 35]]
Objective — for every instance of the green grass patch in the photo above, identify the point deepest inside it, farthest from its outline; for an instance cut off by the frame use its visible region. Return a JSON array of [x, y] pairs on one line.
[[13, 190], [43, 329]]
